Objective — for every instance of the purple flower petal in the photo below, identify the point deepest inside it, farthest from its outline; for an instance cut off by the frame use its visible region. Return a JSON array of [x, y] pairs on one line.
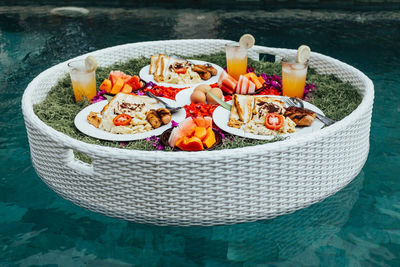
[[160, 147], [174, 124], [96, 99], [150, 84]]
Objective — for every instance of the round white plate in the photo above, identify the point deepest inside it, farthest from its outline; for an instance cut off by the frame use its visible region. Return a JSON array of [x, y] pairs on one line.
[[85, 127], [144, 75], [183, 97], [221, 118]]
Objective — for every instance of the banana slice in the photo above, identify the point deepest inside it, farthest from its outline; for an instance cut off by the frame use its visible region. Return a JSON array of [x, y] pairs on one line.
[[303, 53], [90, 64], [247, 41]]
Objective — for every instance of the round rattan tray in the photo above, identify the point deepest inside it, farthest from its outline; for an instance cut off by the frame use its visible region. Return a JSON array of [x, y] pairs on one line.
[[202, 188]]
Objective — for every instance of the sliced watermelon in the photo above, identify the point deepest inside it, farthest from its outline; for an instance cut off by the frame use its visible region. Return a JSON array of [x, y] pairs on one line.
[[227, 83], [245, 86], [134, 82], [175, 135], [226, 89]]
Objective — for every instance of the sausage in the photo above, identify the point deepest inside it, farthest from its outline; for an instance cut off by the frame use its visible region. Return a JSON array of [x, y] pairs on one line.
[[153, 118], [212, 70], [165, 115], [205, 75]]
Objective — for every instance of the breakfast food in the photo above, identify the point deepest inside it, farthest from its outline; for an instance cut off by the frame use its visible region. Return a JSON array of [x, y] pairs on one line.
[[260, 115], [179, 71], [193, 134], [201, 94], [301, 116], [198, 97], [129, 114], [216, 92], [94, 119], [203, 88]]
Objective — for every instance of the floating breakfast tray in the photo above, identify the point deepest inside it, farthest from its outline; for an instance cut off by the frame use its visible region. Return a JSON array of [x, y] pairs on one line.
[[208, 187]]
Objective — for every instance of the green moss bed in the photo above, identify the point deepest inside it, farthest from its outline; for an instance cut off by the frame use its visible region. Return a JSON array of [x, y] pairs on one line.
[[335, 98]]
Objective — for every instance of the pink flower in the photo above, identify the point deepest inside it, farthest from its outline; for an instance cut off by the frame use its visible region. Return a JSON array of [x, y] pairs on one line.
[[174, 124], [98, 97]]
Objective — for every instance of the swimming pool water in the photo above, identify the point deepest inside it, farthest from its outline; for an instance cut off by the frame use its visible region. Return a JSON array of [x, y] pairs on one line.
[[358, 226]]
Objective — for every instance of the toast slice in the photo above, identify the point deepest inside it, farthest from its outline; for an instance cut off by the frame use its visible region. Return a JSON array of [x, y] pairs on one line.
[[153, 64], [264, 105], [241, 112], [124, 103], [244, 105], [234, 120]]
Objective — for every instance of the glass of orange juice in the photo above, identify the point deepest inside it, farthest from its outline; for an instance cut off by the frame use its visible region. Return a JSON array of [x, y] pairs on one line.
[[236, 60], [83, 80], [293, 77]]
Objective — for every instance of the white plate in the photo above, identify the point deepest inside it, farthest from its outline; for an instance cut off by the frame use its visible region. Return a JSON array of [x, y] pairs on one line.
[[183, 97], [85, 127], [144, 75], [221, 118]]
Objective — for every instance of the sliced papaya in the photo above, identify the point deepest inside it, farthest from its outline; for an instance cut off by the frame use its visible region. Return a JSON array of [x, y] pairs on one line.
[[253, 77], [180, 141], [191, 144], [126, 89], [261, 80], [200, 122], [209, 140], [200, 132], [106, 85], [117, 86]]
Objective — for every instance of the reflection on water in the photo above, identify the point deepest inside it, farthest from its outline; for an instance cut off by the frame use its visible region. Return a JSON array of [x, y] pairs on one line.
[[356, 227], [84, 234]]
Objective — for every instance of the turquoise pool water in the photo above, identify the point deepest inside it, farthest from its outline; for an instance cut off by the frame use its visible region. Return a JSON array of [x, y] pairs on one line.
[[358, 226]]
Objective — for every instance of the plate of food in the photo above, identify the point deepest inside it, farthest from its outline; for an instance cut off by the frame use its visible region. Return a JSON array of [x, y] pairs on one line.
[[170, 71], [265, 117], [127, 117]]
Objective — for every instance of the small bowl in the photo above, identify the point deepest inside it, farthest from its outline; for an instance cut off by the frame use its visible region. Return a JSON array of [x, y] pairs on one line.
[[165, 136]]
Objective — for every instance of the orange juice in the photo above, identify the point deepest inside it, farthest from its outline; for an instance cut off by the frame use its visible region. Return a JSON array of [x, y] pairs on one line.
[[83, 82], [236, 60], [237, 67], [293, 79], [84, 87]]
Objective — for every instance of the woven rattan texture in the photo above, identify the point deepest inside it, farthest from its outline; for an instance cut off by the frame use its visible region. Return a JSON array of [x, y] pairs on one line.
[[201, 188]]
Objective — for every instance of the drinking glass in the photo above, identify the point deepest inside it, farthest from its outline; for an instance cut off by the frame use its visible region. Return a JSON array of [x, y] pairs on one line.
[[293, 77], [83, 81], [236, 60]]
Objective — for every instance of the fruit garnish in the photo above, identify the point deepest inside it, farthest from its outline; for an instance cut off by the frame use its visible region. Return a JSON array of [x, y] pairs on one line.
[[303, 54], [90, 63], [247, 41]]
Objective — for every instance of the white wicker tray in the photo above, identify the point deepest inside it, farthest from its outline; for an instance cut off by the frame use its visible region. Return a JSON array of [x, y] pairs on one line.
[[202, 188]]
